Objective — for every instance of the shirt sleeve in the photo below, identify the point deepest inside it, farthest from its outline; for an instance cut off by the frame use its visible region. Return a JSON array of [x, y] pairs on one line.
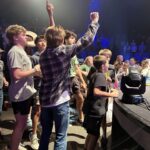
[[100, 81], [84, 41], [34, 60], [14, 60]]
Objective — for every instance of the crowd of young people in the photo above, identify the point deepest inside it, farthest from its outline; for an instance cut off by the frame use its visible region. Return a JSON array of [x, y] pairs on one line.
[[42, 83]]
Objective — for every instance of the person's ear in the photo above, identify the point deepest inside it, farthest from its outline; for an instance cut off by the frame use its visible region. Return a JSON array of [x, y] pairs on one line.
[[15, 38]]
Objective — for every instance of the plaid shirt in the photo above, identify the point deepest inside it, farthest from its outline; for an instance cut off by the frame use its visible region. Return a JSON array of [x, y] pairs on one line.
[[55, 66]]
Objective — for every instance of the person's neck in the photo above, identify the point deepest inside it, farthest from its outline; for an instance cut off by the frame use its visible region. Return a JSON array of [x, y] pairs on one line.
[[21, 46]]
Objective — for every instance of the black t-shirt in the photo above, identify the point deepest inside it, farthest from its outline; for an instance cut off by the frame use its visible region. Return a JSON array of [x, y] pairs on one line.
[[96, 105]]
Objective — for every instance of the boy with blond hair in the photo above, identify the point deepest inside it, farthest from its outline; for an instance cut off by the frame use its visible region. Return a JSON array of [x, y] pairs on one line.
[[21, 89]]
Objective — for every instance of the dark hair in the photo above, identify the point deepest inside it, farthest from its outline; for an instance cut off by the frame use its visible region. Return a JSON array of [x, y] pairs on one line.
[[98, 64], [39, 38], [69, 34], [98, 61]]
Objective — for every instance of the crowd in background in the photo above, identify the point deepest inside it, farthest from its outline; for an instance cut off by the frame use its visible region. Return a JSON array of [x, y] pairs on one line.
[[136, 46], [53, 62]]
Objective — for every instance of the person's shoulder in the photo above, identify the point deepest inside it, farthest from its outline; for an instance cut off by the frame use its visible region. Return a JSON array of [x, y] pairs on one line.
[[74, 58], [99, 74], [99, 77], [37, 53], [93, 69], [13, 49], [35, 58], [83, 66]]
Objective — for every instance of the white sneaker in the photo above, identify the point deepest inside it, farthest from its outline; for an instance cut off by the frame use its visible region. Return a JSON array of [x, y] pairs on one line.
[[34, 141], [21, 147], [29, 123]]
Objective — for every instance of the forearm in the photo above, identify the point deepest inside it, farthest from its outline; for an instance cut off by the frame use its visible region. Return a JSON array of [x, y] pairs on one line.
[[84, 73], [19, 74], [81, 77], [51, 20], [98, 92], [88, 37], [79, 73], [50, 11]]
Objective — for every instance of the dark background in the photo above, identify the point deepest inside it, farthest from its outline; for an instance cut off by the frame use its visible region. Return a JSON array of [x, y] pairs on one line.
[[120, 19]]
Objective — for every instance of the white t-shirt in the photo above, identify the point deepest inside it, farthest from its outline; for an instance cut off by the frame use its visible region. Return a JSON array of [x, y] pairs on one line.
[[63, 98]]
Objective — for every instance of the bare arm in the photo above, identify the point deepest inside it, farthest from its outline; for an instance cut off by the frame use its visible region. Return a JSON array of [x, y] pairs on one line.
[[99, 92], [88, 37], [79, 73], [50, 11], [84, 73], [19, 74]]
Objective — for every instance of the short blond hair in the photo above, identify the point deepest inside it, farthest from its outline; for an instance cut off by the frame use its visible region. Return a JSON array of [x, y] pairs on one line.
[[105, 51], [55, 36], [144, 64], [14, 30]]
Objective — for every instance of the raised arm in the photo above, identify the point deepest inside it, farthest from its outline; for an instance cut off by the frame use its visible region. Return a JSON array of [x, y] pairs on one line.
[[94, 16], [89, 36], [50, 11]]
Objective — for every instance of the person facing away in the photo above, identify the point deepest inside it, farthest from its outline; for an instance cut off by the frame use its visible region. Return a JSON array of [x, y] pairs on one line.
[[54, 91]]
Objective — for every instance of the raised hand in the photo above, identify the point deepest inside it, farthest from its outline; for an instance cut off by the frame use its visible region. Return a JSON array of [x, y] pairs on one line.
[[50, 11], [49, 7], [94, 16]]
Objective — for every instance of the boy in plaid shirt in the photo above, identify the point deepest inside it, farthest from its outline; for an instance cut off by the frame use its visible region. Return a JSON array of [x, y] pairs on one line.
[[54, 91]]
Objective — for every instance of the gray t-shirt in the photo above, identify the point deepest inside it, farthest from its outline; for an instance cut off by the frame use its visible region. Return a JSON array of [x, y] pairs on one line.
[[22, 89]]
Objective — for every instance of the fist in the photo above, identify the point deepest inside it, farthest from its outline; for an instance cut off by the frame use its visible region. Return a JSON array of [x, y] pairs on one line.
[[49, 7], [37, 68], [37, 71], [94, 16]]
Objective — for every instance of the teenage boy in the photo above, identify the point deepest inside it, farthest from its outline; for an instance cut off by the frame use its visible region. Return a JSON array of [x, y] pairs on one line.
[[95, 103], [75, 76], [40, 44], [54, 91], [21, 89]]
